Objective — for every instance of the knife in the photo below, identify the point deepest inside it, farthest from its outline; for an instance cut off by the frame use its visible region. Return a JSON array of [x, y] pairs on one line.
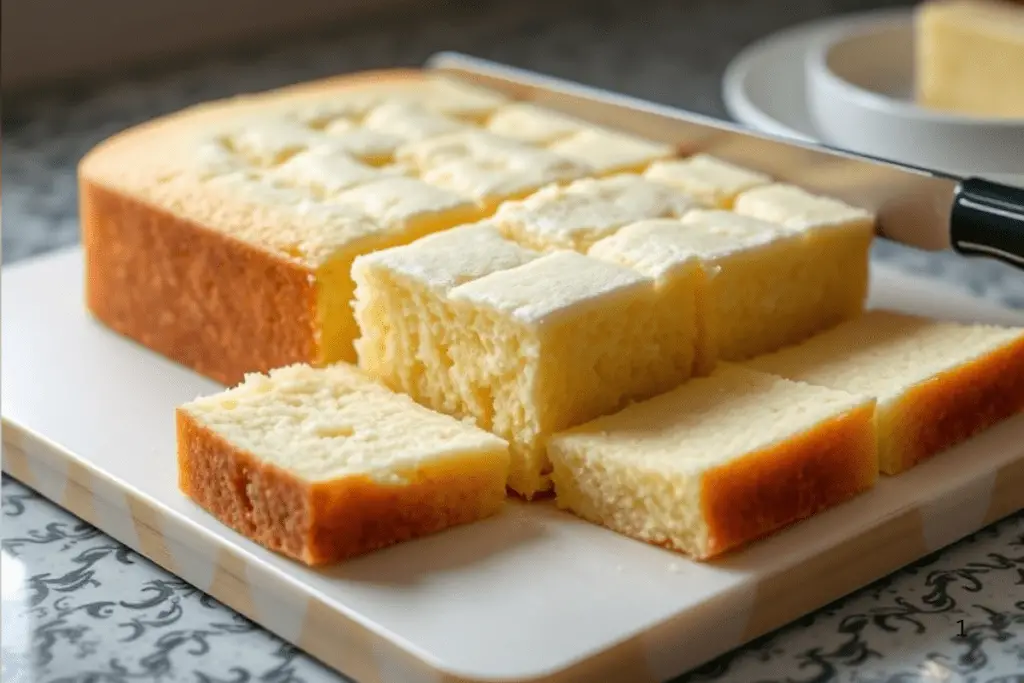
[[919, 207]]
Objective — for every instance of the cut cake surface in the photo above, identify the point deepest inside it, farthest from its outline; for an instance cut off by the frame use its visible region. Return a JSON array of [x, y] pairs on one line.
[[322, 464], [718, 462]]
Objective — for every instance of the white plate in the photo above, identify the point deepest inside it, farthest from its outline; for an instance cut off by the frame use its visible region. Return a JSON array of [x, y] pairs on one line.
[[765, 85], [766, 88]]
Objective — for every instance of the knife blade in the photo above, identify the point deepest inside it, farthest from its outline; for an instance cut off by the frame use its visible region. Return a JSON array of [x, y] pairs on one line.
[[919, 207]]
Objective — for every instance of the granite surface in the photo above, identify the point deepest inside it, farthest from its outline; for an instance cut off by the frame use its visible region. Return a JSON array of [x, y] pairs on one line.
[[79, 607]]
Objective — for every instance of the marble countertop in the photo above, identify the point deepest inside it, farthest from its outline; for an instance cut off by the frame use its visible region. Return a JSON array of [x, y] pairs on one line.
[[78, 607]]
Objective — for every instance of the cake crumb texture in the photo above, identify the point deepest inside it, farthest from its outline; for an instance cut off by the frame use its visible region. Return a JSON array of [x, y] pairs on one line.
[[322, 464], [522, 342], [936, 383], [718, 462]]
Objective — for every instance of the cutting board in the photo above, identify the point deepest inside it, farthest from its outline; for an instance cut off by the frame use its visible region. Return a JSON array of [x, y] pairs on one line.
[[533, 594]]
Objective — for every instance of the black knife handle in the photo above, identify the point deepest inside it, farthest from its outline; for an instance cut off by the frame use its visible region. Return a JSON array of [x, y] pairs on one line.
[[988, 220]]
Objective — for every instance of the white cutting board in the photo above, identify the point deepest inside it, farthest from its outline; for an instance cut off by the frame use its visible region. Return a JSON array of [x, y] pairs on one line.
[[533, 594]]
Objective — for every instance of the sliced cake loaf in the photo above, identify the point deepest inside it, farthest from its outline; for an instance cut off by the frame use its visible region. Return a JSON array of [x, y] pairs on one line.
[[936, 383], [717, 462], [402, 307], [223, 236], [324, 464], [524, 343]]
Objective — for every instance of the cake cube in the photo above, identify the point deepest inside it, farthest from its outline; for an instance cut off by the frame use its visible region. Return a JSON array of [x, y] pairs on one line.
[[323, 171], [323, 464], [524, 350], [608, 151], [405, 319], [409, 204], [532, 124], [584, 211], [761, 284], [839, 235], [714, 181], [936, 382], [487, 167], [718, 462]]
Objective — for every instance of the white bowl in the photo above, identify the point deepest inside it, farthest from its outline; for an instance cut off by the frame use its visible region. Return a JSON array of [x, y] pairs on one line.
[[860, 86]]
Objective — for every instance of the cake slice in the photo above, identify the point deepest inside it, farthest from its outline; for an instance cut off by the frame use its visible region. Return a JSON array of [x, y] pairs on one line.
[[608, 152], [524, 344], [325, 464], [936, 383], [717, 462], [715, 182], [406, 322], [762, 286], [839, 235], [584, 211]]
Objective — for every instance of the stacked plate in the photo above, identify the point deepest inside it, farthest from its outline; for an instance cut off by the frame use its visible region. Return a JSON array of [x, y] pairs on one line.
[[848, 82]]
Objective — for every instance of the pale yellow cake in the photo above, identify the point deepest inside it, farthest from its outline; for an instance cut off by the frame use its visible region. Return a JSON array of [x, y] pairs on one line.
[[936, 383], [487, 167], [222, 236], [712, 180], [411, 122], [584, 211], [533, 124], [523, 343], [322, 464], [718, 462], [608, 152], [839, 235], [969, 57], [761, 288], [401, 304]]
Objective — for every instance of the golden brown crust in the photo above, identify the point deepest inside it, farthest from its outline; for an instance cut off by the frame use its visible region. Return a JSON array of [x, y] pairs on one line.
[[160, 276], [770, 489], [324, 522], [954, 406], [201, 298]]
